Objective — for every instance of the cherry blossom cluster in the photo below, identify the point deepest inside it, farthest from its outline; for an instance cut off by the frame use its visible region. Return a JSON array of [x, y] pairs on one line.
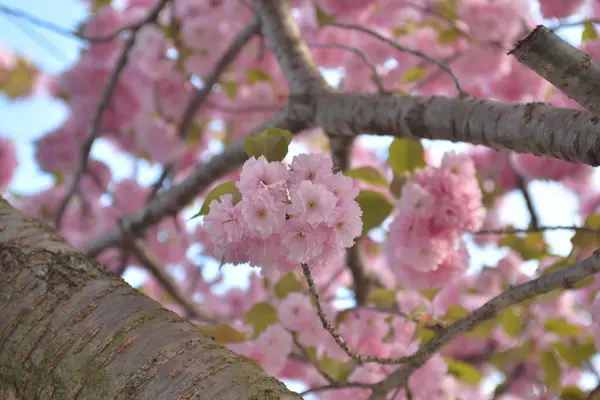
[[303, 213], [437, 205]]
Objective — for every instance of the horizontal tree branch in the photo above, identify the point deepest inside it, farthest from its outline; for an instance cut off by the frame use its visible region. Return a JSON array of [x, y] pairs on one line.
[[562, 279], [571, 70], [536, 128], [72, 329]]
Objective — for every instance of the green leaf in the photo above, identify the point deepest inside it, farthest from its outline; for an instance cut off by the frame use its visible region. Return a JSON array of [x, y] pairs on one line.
[[511, 320], [289, 283], [273, 144], [98, 4], [223, 333], [382, 297], [454, 313], [562, 264], [448, 8], [230, 88], [257, 75], [551, 368], [413, 74], [375, 209], [589, 32], [261, 316], [216, 193], [337, 369], [430, 294], [370, 175], [397, 184], [322, 17], [483, 330], [513, 355], [195, 133], [464, 371], [406, 155], [408, 27], [588, 240], [530, 247], [448, 36], [18, 81], [572, 393], [576, 353], [425, 336], [561, 327]]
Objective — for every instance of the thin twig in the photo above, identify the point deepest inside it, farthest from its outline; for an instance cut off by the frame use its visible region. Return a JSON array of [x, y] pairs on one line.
[[335, 334], [441, 65], [524, 188], [151, 263], [102, 105], [594, 394], [66, 32], [563, 279], [201, 95], [375, 75], [314, 363]]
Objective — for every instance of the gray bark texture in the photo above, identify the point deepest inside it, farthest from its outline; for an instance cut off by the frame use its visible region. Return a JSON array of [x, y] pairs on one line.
[[70, 329]]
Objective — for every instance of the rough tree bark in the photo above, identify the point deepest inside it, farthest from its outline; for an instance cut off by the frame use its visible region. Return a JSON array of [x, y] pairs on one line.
[[70, 329]]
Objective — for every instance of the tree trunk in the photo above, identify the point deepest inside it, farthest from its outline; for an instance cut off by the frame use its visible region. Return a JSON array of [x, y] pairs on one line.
[[70, 329]]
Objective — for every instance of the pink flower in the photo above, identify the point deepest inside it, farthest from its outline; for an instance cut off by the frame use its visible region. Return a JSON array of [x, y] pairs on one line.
[[302, 241], [493, 20], [296, 312], [262, 215], [312, 203], [104, 22], [536, 167], [315, 167], [8, 161], [260, 174], [158, 139], [149, 53], [417, 201], [451, 268], [340, 8], [129, 196], [224, 221], [58, 151], [347, 224], [560, 8], [509, 266]]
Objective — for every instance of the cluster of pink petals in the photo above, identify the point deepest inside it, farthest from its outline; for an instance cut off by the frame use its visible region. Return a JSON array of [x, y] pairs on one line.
[[8, 161], [303, 213], [438, 204]]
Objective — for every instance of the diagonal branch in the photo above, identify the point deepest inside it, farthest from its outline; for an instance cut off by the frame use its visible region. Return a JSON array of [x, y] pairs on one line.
[[535, 128], [201, 95], [150, 262], [103, 103], [523, 185], [294, 119], [562, 279], [571, 70], [292, 52], [440, 64]]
